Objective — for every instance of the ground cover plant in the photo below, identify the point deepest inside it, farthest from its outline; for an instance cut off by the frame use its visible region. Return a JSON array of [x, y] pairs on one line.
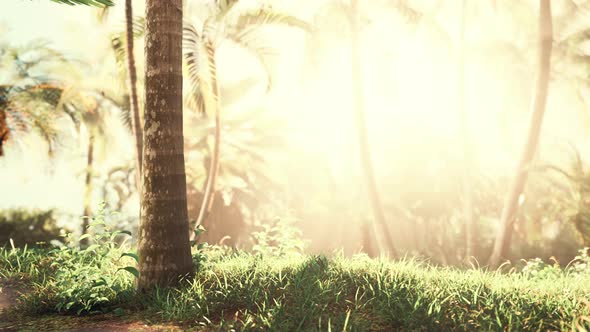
[[290, 291]]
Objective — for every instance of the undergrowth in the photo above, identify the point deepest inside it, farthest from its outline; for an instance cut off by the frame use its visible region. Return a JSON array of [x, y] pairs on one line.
[[289, 292]]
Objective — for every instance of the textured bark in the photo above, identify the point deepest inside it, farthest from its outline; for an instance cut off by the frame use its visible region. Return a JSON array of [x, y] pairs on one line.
[[360, 121], [4, 132], [504, 234], [164, 248], [470, 227], [88, 188], [133, 100]]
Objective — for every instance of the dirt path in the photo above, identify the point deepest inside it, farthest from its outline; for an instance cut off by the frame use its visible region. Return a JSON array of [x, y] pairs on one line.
[[9, 292], [8, 295]]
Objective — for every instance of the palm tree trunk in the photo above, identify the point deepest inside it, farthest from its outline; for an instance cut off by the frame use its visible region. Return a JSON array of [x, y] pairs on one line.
[[88, 188], [4, 132], [164, 248], [470, 227], [209, 195], [360, 120], [504, 234], [133, 100]]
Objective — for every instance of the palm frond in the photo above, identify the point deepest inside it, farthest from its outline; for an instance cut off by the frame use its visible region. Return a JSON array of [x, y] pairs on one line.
[[119, 43], [213, 87], [94, 3], [267, 16], [193, 50], [224, 7], [407, 12]]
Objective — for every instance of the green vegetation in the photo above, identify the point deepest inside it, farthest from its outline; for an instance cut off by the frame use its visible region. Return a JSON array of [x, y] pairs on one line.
[[392, 134], [20, 227], [290, 291]]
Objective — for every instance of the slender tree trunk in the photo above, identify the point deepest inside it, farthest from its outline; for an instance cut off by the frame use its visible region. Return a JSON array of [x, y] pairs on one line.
[[470, 227], [209, 195], [88, 187], [504, 234], [133, 100], [164, 248], [360, 120], [4, 132], [368, 242]]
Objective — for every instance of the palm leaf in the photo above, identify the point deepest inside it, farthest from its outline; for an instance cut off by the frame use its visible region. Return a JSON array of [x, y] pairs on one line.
[[95, 3], [193, 48], [267, 16], [119, 43]]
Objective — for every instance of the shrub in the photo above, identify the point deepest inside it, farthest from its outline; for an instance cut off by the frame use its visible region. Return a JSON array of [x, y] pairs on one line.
[[28, 227]]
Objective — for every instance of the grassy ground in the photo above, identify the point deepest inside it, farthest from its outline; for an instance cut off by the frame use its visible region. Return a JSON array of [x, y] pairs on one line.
[[235, 290]]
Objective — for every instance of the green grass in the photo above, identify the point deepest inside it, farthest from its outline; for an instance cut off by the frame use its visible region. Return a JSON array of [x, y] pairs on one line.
[[237, 290]]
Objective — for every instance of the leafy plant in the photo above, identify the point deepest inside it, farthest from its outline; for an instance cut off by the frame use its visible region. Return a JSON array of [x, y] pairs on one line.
[[279, 237], [87, 280], [28, 227], [537, 268], [199, 256]]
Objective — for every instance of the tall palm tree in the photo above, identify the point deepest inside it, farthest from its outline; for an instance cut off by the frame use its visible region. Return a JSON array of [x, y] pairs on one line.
[[164, 248], [88, 109], [470, 230], [545, 35], [200, 50], [363, 137], [122, 43], [134, 102]]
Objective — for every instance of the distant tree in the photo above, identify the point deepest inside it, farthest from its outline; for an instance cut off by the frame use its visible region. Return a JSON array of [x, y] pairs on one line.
[[538, 105], [28, 100], [200, 50], [90, 110], [164, 248], [133, 99], [363, 135], [470, 226]]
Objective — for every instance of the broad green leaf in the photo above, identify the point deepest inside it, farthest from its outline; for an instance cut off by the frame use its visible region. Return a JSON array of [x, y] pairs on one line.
[[131, 270], [132, 255], [84, 237]]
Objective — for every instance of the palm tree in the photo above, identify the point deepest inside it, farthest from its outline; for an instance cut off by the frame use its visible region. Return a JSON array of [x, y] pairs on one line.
[[361, 123], [470, 231], [29, 101], [134, 102], [200, 49], [122, 43], [27, 108], [89, 110], [244, 179], [504, 234], [164, 248]]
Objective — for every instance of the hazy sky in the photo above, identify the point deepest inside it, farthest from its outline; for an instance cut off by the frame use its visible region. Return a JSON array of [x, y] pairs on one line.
[[408, 79]]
